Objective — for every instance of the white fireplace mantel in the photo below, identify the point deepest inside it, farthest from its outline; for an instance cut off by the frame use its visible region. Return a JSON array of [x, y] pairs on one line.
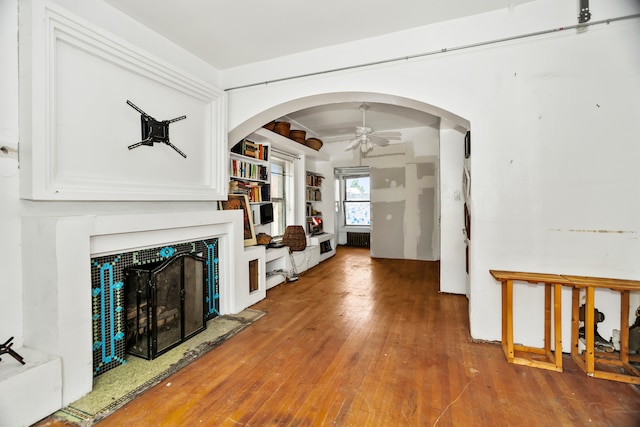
[[57, 278]]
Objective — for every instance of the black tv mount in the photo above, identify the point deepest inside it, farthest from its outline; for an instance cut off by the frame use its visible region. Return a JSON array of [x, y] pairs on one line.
[[6, 348], [154, 131]]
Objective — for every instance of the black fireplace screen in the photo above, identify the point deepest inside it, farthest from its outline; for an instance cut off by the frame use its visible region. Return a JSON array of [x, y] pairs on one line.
[[164, 304], [108, 294]]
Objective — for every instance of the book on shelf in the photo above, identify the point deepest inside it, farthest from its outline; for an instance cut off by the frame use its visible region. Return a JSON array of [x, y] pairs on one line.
[[251, 149], [311, 211], [255, 191], [314, 195], [314, 180], [248, 170]]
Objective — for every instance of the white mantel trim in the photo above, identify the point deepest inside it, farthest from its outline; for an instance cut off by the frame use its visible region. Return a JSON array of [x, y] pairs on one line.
[[57, 275]]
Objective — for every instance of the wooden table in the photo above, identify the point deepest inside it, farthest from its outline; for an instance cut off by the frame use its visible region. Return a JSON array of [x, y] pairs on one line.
[[552, 285], [587, 361]]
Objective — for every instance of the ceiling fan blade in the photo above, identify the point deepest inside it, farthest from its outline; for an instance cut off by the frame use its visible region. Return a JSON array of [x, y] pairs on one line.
[[388, 138], [337, 141], [378, 141], [388, 134], [352, 144]]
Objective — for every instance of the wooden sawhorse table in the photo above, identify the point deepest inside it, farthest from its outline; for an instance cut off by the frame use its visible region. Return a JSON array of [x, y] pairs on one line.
[[552, 285], [587, 361]]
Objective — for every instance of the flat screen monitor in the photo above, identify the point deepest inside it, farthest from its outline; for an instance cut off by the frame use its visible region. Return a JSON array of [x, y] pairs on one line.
[[266, 213], [262, 213]]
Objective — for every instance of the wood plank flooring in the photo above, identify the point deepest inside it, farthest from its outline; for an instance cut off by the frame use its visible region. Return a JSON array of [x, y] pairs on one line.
[[370, 342]]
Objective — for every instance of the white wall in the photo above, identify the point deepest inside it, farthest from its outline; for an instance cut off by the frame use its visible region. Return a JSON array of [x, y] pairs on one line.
[[17, 284], [12, 208], [10, 259], [554, 135], [417, 227], [453, 277], [404, 194]]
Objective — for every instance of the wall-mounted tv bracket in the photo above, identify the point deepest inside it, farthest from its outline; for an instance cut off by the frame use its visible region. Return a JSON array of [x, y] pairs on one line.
[[585, 15], [6, 348], [154, 131]]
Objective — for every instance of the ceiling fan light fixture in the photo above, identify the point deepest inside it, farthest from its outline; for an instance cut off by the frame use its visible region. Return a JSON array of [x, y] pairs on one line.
[[366, 146], [367, 138]]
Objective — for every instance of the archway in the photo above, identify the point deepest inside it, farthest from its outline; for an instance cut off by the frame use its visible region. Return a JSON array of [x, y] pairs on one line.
[[448, 120], [452, 130]]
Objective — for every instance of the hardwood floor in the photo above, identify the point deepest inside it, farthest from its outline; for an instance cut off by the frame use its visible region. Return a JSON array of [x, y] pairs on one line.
[[369, 342]]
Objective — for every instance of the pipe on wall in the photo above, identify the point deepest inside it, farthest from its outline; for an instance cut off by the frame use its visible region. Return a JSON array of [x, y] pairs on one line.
[[440, 51]]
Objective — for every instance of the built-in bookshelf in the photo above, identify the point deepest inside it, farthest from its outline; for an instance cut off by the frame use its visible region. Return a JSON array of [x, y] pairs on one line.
[[320, 244], [319, 238], [313, 195], [249, 171]]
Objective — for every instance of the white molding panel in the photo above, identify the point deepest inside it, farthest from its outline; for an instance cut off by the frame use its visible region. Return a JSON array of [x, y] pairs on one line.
[[76, 125]]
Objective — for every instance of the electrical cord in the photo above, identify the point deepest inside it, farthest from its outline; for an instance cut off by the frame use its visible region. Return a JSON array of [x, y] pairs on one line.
[[294, 273]]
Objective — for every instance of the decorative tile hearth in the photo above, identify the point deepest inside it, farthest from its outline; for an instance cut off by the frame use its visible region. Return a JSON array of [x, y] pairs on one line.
[[108, 294]]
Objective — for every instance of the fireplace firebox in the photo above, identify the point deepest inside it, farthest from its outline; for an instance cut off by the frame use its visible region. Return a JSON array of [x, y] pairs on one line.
[[165, 304]]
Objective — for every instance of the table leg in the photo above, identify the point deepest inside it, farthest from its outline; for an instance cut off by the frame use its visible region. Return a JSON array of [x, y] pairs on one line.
[[547, 317], [507, 319], [589, 330], [575, 321], [557, 322], [624, 326]]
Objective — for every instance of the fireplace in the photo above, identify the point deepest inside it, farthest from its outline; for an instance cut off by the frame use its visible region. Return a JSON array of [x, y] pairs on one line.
[[63, 301], [113, 293], [164, 304]]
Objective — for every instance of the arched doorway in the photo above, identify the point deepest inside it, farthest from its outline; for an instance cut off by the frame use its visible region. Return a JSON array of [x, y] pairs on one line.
[[448, 120], [451, 127]]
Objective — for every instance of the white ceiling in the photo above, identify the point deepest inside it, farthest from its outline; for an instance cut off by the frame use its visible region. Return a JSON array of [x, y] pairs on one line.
[[334, 122], [230, 33]]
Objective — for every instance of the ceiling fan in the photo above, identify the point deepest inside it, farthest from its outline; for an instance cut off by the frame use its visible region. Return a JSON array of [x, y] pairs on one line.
[[366, 137]]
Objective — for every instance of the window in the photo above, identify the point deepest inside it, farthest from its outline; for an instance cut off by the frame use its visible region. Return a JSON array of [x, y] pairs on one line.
[[281, 195], [357, 205]]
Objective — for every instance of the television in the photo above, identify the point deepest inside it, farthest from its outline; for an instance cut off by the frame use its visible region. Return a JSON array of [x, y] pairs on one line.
[[262, 213]]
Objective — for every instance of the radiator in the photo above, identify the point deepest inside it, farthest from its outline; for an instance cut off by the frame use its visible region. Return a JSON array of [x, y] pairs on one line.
[[362, 240]]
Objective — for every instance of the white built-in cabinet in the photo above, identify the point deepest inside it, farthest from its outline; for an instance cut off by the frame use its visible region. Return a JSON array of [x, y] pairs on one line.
[[277, 266]]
